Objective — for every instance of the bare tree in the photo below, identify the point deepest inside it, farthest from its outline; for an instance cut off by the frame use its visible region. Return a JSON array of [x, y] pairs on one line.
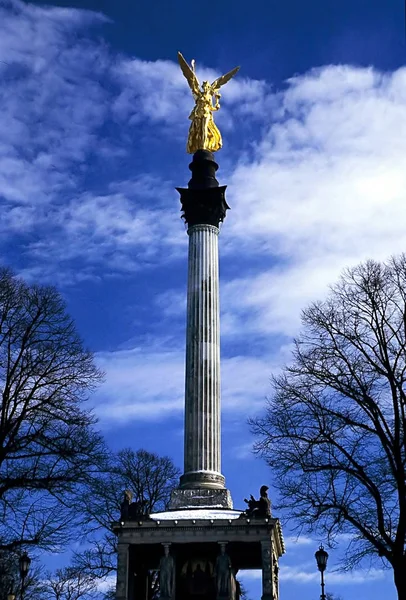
[[68, 584], [150, 478], [9, 575], [334, 428], [48, 447]]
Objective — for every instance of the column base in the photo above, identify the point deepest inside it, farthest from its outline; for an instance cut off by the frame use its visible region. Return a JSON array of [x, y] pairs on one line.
[[202, 479], [200, 498]]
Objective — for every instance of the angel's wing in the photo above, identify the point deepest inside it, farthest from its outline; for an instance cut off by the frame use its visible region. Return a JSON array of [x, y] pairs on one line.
[[189, 74], [217, 83]]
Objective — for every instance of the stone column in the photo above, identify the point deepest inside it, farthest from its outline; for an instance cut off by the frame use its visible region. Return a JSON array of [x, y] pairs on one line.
[[202, 390], [204, 208], [122, 572], [267, 570]]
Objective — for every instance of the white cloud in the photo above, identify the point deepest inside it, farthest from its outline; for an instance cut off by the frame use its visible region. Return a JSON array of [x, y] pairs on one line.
[[52, 103], [52, 100], [107, 584], [140, 384], [158, 91], [114, 231], [253, 574], [299, 540], [327, 189], [242, 451], [299, 574], [146, 383], [324, 186], [61, 90]]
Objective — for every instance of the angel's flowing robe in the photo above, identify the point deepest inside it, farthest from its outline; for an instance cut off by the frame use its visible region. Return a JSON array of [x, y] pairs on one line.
[[203, 132]]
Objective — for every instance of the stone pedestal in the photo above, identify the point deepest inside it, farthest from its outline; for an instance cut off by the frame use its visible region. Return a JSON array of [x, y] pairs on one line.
[[200, 498]]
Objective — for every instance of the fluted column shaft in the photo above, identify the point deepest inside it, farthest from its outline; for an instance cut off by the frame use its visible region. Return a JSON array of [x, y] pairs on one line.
[[202, 394]]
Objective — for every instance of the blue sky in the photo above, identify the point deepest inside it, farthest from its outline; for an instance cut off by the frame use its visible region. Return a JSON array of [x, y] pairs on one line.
[[93, 127]]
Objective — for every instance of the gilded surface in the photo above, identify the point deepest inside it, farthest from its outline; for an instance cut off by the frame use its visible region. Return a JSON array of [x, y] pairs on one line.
[[203, 132]]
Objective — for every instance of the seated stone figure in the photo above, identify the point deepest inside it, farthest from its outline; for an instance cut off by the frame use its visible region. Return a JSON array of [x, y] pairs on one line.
[[259, 508], [132, 510], [124, 507]]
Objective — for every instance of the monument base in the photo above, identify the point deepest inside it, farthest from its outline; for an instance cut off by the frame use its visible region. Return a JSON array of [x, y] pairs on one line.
[[196, 539], [200, 498]]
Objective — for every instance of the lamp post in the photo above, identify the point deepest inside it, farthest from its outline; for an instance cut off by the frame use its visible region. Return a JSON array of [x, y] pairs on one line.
[[11, 594], [321, 557], [5, 580], [23, 564]]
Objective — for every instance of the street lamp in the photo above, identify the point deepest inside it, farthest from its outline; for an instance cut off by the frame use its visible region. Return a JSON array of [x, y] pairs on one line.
[[321, 558], [11, 594], [23, 564]]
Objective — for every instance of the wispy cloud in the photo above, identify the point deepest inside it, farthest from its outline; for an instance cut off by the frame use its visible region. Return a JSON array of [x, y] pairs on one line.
[[299, 540], [299, 574], [322, 186], [62, 190], [140, 384], [242, 451], [302, 575], [253, 574], [326, 189], [146, 383]]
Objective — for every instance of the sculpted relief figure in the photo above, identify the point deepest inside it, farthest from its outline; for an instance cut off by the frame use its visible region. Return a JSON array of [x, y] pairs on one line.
[[166, 574], [275, 577], [223, 574], [203, 132]]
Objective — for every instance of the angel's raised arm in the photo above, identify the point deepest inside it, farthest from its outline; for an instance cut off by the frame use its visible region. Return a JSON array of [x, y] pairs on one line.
[[189, 74]]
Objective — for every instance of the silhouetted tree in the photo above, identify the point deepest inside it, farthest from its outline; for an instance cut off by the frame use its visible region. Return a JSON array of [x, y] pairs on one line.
[[9, 574], [148, 476], [334, 428], [68, 584], [48, 447]]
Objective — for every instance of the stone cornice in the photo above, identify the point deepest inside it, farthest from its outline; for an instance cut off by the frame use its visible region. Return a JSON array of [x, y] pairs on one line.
[[184, 531]]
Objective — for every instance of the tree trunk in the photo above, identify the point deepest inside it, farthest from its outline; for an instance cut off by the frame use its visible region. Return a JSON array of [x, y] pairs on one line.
[[399, 572]]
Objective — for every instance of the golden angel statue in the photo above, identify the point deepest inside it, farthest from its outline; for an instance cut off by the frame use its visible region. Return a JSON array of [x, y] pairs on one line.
[[203, 132]]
